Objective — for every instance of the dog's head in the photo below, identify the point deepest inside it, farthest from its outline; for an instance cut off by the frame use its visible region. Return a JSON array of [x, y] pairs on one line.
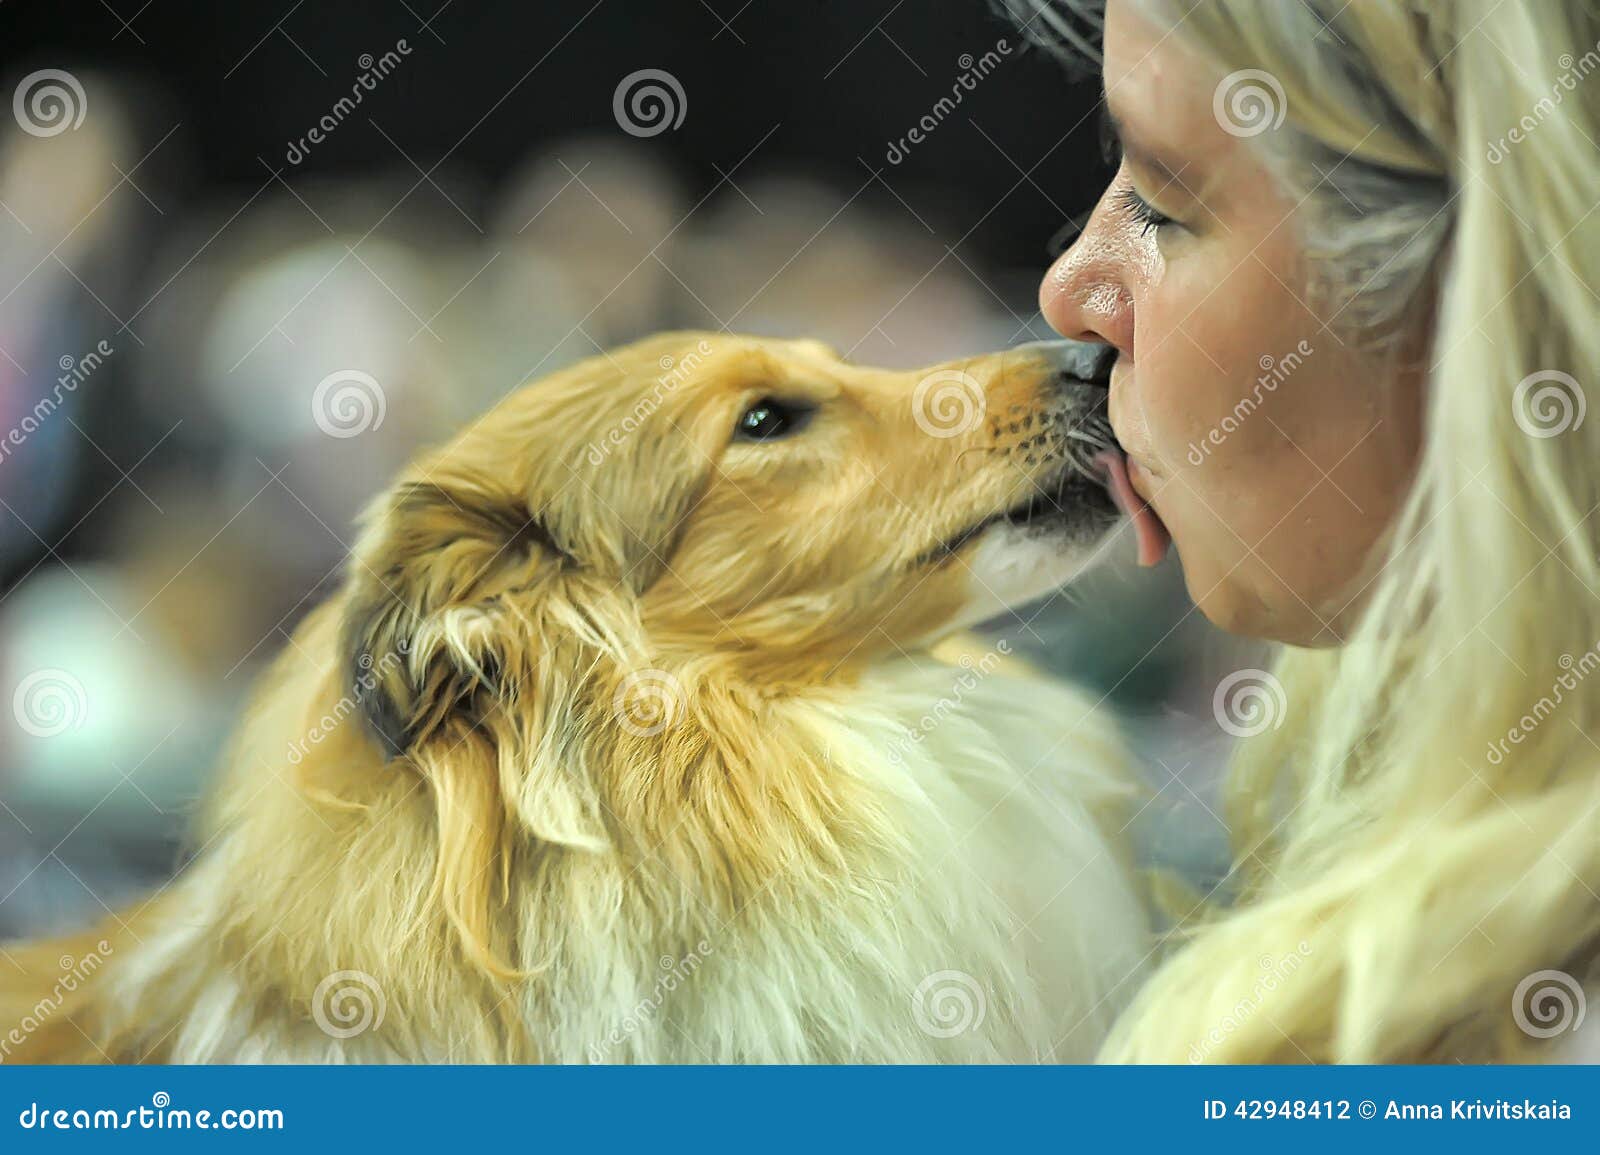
[[759, 505]]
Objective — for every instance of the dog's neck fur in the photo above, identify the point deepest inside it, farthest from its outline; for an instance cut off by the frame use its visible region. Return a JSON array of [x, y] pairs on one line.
[[823, 883]]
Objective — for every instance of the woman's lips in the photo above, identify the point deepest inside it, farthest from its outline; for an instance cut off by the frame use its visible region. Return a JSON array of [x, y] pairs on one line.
[[1150, 534]]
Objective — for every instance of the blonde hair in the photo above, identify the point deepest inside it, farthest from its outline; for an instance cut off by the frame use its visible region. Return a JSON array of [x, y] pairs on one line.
[[1422, 833]]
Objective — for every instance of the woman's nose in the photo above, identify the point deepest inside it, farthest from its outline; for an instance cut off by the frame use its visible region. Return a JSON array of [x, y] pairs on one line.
[[1084, 295]]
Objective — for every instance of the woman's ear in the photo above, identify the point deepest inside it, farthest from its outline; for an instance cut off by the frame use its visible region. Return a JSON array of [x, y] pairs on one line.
[[423, 634]]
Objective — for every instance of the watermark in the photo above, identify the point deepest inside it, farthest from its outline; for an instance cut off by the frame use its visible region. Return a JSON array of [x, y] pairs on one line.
[[1249, 102], [74, 372], [373, 69], [1572, 71], [160, 1115], [1548, 403], [674, 973], [1274, 372], [948, 1003], [74, 974], [1249, 702], [674, 372], [49, 102], [1577, 669], [649, 102], [973, 69], [365, 683], [647, 702], [1275, 974], [348, 403], [948, 403], [973, 672], [1548, 1003], [49, 702], [347, 1004]]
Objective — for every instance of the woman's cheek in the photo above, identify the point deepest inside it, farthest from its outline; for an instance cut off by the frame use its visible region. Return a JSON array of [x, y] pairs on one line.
[[1200, 459], [1171, 405], [1171, 385]]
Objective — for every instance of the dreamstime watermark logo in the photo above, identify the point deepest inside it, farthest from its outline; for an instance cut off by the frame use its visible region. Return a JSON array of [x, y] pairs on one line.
[[674, 973], [348, 403], [160, 1115], [74, 973], [1249, 102], [365, 682], [1249, 702], [649, 102], [674, 372], [948, 403], [1274, 372], [1548, 403], [373, 69], [347, 1004], [74, 372], [973, 672], [1275, 973], [647, 702], [1572, 70], [948, 1003], [1577, 669], [1548, 1003], [49, 102], [973, 69], [49, 702]]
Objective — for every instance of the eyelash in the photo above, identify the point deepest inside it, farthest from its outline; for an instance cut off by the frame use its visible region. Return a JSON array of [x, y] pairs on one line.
[[1149, 217]]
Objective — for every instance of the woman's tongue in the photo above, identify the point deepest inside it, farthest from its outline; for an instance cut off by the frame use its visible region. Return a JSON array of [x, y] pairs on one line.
[[1148, 531]]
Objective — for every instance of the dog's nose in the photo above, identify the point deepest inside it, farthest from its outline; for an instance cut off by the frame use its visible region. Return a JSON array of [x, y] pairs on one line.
[[1075, 362]]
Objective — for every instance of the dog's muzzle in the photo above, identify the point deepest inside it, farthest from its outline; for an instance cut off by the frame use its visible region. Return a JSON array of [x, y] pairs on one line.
[[1077, 363]]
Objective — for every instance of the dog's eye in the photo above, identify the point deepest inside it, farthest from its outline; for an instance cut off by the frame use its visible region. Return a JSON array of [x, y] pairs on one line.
[[768, 419]]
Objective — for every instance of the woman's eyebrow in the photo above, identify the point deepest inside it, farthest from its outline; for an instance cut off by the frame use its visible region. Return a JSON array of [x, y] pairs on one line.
[[1116, 141]]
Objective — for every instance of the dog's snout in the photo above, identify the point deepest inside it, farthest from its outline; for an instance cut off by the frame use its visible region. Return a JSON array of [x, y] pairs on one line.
[[1083, 363], [1075, 363]]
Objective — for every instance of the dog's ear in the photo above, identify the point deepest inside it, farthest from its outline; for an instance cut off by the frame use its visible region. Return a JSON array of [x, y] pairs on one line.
[[453, 549], [422, 637], [460, 618]]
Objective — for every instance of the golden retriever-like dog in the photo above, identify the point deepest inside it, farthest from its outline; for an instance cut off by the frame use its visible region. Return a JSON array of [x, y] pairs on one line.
[[622, 742]]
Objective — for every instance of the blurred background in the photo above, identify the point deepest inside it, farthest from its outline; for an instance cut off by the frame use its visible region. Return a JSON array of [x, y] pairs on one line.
[[253, 255]]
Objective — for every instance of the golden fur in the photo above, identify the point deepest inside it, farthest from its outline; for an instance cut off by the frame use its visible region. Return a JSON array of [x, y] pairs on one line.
[[611, 696]]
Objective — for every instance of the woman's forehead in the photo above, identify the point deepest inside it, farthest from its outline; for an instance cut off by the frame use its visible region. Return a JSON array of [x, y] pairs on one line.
[[1160, 98]]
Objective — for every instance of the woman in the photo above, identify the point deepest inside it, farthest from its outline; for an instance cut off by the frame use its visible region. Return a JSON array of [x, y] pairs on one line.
[[1350, 262]]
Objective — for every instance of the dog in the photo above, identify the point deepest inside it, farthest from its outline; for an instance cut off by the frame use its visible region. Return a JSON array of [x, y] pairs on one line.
[[624, 741]]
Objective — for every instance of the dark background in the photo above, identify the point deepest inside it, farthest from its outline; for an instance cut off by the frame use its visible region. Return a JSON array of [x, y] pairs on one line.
[[838, 78]]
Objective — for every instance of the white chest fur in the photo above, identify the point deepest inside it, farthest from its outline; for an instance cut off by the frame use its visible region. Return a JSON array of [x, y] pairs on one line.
[[1002, 925]]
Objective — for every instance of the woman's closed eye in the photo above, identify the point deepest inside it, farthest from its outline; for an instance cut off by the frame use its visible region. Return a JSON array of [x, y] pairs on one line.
[[1146, 214]]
